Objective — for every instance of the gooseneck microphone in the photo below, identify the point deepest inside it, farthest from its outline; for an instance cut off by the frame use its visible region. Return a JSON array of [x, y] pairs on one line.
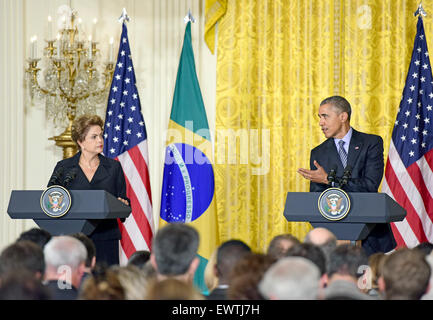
[[331, 176], [69, 177], [346, 176]]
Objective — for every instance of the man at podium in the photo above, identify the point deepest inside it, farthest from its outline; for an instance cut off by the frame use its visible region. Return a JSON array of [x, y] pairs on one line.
[[89, 170], [348, 159]]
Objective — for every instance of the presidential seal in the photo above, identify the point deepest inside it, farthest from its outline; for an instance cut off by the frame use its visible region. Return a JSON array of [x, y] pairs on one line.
[[55, 201], [334, 204]]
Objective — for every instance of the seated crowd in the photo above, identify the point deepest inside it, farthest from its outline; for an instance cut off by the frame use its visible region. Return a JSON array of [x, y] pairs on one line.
[[39, 266]]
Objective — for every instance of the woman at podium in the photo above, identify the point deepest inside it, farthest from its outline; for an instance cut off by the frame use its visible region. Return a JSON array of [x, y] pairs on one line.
[[90, 170]]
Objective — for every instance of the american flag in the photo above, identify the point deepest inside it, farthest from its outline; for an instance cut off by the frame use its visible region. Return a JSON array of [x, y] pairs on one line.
[[408, 172], [125, 139]]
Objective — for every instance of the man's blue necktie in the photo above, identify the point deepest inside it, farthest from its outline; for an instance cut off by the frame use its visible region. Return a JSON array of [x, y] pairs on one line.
[[342, 153]]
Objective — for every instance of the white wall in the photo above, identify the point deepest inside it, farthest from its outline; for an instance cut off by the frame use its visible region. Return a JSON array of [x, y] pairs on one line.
[[155, 31]]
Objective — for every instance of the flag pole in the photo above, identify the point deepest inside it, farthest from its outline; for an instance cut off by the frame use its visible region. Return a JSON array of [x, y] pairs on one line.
[[124, 16], [420, 11], [189, 17]]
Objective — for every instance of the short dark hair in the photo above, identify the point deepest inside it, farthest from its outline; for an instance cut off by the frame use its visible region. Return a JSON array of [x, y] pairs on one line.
[[139, 258], [425, 247], [81, 126], [275, 247], [23, 254], [228, 253], [339, 103], [347, 259], [311, 252], [89, 244], [36, 235], [175, 247], [22, 285]]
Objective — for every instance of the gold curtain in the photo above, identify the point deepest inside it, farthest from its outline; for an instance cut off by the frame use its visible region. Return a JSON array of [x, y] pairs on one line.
[[276, 61]]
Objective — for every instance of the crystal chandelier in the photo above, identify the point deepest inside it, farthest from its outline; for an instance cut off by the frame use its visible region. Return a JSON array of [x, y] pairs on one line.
[[74, 81]]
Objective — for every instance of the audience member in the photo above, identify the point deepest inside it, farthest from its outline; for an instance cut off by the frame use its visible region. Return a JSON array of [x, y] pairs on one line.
[[210, 274], [134, 282], [280, 244], [375, 262], [291, 278], [36, 235], [324, 239], [22, 285], [228, 254], [172, 289], [246, 276], [425, 247], [25, 255], [174, 252], [65, 259], [91, 254], [149, 271], [139, 258], [429, 294], [315, 255], [405, 275], [103, 284], [346, 264]]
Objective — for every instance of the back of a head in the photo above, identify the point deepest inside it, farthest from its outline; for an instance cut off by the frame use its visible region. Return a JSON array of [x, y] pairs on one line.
[[64, 251], [324, 239], [246, 275], [174, 247], [25, 255], [172, 289], [133, 281], [90, 247], [139, 258], [36, 235], [310, 252], [425, 247], [280, 244], [228, 254], [291, 278], [22, 285], [347, 260], [103, 284], [406, 274]]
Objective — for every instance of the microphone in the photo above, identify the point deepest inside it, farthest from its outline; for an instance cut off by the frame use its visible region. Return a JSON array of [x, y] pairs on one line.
[[56, 177], [346, 175], [69, 177], [331, 176]]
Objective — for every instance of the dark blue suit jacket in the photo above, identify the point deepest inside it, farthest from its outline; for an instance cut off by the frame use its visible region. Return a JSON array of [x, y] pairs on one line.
[[365, 157]]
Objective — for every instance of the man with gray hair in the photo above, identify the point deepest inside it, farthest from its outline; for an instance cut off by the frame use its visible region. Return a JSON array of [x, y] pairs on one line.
[[291, 278], [174, 252], [65, 259]]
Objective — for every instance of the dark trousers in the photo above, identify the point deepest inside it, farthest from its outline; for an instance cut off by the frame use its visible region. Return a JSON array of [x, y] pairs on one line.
[[380, 239], [107, 251]]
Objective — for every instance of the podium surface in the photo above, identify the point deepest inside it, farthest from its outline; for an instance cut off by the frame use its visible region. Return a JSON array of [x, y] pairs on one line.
[[367, 210], [88, 208]]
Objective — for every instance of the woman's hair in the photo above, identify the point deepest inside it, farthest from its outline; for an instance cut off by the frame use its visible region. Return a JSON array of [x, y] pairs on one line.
[[103, 284], [172, 289], [81, 126]]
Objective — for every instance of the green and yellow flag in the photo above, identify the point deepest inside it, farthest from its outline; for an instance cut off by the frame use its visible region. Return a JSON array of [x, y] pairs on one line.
[[188, 188]]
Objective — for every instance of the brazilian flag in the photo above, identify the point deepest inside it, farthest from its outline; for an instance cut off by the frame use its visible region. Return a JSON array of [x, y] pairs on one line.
[[188, 188]]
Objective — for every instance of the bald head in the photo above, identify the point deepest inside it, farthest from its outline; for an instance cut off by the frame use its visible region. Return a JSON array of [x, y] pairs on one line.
[[324, 239], [320, 236]]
